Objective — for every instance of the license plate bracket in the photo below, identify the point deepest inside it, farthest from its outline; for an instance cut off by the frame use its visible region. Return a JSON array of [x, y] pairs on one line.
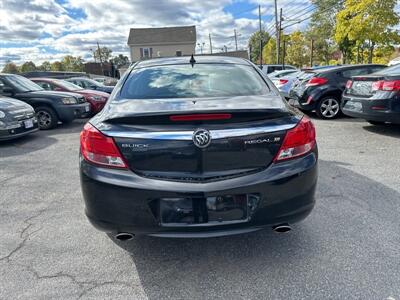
[[198, 211]]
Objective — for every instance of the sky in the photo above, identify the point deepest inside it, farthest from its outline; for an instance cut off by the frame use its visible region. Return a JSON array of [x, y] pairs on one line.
[[40, 30]]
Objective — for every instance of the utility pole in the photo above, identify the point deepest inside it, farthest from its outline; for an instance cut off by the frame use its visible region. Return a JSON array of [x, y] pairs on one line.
[[101, 61], [209, 36], [277, 31], [261, 37], [278, 37], [235, 40], [284, 52], [312, 53]]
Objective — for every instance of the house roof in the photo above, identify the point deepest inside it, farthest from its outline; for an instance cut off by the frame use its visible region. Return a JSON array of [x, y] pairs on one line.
[[163, 35]]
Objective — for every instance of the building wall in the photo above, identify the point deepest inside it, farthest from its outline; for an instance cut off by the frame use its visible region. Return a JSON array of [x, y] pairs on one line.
[[162, 50]]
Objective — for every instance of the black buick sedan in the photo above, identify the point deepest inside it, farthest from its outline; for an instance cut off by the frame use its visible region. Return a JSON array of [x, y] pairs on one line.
[[197, 147]]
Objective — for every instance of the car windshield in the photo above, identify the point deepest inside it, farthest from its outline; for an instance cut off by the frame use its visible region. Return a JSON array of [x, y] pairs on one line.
[[201, 80], [23, 84], [91, 82], [67, 85], [393, 70]]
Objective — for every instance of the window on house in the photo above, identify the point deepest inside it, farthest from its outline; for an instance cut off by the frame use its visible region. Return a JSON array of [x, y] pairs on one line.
[[178, 53], [146, 52]]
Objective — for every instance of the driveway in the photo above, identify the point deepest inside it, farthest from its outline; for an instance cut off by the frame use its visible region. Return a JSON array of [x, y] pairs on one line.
[[348, 248]]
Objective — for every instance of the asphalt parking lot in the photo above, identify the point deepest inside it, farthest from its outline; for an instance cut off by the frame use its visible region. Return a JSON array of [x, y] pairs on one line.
[[349, 247]]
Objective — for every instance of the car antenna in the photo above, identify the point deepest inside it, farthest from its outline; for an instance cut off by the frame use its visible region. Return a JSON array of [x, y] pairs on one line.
[[192, 60]]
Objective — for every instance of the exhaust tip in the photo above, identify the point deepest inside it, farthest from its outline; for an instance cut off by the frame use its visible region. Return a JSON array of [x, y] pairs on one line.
[[282, 228], [124, 236]]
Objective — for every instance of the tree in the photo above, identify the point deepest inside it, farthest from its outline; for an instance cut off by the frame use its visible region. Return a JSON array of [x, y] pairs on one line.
[[321, 29], [269, 52], [369, 22], [103, 55], [73, 64], [298, 51], [254, 44], [10, 67], [57, 66], [45, 66], [28, 66], [120, 60]]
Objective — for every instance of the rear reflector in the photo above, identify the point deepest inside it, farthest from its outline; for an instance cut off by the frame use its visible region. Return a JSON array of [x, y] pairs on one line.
[[315, 81], [100, 149], [349, 84], [200, 117], [298, 141]]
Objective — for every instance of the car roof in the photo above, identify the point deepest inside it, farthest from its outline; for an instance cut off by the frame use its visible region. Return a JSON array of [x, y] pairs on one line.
[[201, 59], [343, 67], [80, 78]]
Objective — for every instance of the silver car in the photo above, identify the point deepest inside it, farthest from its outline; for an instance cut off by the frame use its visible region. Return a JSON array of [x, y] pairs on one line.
[[17, 119], [285, 83]]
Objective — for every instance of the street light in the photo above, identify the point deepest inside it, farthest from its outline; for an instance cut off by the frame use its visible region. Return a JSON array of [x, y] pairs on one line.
[[201, 47]]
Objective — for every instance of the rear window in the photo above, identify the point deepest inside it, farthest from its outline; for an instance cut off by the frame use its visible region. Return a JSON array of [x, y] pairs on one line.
[[393, 70], [199, 81]]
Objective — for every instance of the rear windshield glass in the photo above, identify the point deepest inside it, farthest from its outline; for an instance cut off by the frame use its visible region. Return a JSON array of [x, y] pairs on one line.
[[201, 80], [393, 70]]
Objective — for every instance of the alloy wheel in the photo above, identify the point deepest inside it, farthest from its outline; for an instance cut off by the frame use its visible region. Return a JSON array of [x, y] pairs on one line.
[[44, 119], [329, 107]]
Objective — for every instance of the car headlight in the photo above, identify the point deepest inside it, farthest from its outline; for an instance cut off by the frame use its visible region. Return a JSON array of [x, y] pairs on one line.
[[2, 124], [2, 114], [69, 100]]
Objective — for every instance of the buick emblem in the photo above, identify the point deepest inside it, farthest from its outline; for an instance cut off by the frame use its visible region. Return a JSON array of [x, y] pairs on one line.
[[201, 138]]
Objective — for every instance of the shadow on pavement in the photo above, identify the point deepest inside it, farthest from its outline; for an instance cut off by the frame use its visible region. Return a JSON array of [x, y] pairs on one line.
[[351, 236], [387, 129]]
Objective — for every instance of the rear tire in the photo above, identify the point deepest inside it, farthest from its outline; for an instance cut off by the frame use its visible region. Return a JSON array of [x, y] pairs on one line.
[[47, 117], [377, 123], [328, 108]]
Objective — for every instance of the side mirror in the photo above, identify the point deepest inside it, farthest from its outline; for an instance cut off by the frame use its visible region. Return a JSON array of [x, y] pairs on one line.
[[7, 91]]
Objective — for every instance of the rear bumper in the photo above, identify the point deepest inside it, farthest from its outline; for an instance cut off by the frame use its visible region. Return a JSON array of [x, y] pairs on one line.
[[121, 201], [387, 112]]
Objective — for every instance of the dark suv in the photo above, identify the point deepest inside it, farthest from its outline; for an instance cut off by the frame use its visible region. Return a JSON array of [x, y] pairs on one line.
[[321, 90], [50, 106]]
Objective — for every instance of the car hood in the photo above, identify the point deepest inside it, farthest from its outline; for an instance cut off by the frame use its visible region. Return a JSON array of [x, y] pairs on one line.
[[133, 107], [51, 94], [11, 104]]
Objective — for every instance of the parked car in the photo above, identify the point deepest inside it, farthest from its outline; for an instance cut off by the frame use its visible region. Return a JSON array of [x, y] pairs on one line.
[[267, 69], [279, 74], [375, 97], [90, 84], [96, 99], [285, 83], [50, 106], [17, 118], [321, 90], [197, 148]]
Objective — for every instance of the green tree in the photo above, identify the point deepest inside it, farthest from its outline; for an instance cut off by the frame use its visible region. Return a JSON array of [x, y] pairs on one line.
[[120, 60], [298, 51], [10, 67], [57, 66], [73, 64], [369, 22], [321, 29], [28, 66], [254, 44], [45, 66], [269, 52], [103, 55]]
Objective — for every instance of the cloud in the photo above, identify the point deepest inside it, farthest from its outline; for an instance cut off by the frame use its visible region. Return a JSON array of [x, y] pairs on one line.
[[41, 30]]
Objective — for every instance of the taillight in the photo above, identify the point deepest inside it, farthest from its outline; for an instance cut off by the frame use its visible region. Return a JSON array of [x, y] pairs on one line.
[[315, 81], [298, 141], [100, 149], [283, 81], [386, 85], [349, 84]]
